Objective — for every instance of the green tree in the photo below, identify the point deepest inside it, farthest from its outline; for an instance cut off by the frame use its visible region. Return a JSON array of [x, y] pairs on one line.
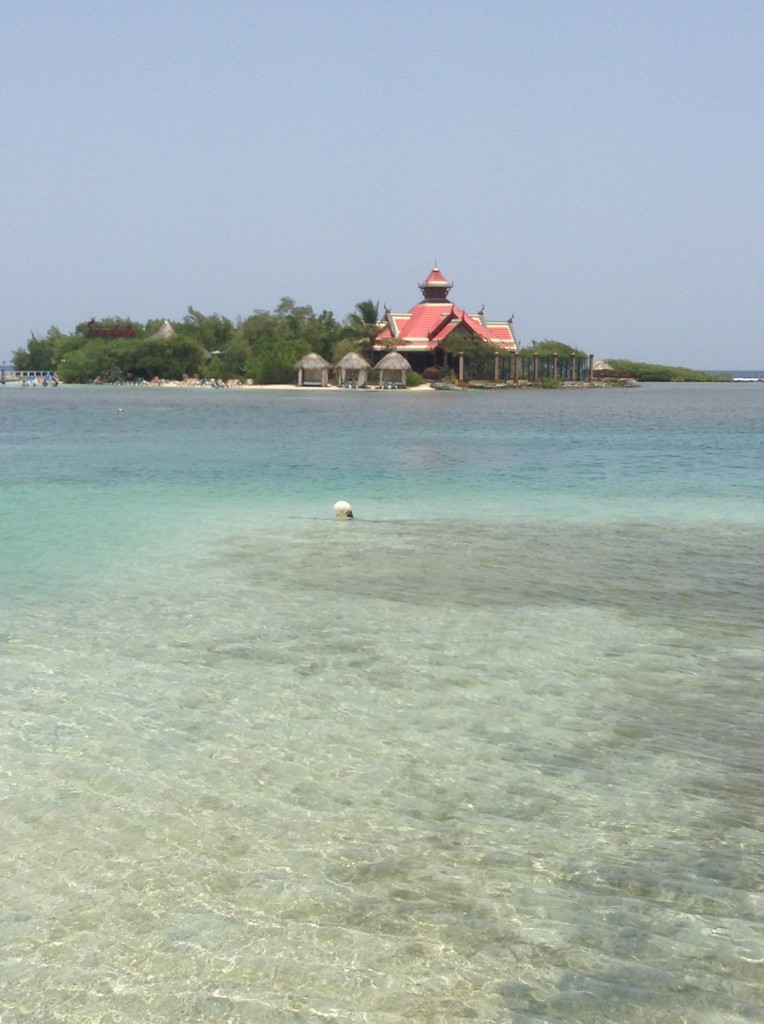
[[463, 340], [82, 360], [264, 346], [363, 327], [171, 358], [270, 344], [213, 332], [321, 333], [658, 372], [39, 354], [548, 347], [342, 347], [479, 354], [93, 358]]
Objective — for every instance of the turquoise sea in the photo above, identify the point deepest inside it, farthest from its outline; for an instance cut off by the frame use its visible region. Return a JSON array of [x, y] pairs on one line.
[[492, 751]]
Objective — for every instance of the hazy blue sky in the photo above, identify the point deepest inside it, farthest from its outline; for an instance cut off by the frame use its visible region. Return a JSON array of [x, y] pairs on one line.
[[595, 167]]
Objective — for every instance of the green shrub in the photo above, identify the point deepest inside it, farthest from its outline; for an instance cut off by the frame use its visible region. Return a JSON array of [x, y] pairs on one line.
[[657, 372]]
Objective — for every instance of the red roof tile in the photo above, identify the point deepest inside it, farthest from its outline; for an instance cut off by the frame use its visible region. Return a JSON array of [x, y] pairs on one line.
[[430, 322], [436, 278]]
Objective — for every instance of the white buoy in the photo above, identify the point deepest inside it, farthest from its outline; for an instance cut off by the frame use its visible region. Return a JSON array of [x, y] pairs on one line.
[[342, 510]]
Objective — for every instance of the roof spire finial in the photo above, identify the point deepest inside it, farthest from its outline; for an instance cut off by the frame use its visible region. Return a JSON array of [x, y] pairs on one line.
[[435, 288]]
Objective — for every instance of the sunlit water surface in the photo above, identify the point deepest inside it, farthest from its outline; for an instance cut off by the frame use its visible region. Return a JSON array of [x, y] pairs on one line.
[[491, 751]]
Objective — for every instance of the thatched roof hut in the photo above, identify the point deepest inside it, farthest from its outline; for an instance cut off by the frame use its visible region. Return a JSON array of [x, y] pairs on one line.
[[313, 371], [392, 370], [353, 370], [165, 332]]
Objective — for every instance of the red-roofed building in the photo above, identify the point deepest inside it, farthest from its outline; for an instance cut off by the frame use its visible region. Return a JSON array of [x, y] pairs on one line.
[[422, 333]]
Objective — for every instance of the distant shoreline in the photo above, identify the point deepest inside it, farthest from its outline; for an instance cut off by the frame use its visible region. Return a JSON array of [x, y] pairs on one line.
[[175, 385], [739, 377]]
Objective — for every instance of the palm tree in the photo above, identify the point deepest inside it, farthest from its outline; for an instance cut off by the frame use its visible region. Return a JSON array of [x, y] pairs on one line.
[[363, 326]]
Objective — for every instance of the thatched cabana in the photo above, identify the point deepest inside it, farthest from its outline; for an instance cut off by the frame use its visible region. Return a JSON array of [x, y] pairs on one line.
[[313, 371], [392, 370], [353, 370], [165, 332]]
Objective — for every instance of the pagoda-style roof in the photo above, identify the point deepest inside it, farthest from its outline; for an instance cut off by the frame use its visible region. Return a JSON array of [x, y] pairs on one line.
[[426, 327], [435, 287]]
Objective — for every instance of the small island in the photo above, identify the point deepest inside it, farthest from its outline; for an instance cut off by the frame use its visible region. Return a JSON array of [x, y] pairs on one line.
[[435, 342]]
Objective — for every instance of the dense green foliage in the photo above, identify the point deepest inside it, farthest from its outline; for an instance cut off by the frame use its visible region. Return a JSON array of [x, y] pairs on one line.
[[549, 347], [263, 347], [362, 330], [655, 372], [39, 353]]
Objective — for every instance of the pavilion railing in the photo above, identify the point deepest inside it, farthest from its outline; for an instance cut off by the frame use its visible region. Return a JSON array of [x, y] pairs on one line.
[[513, 367]]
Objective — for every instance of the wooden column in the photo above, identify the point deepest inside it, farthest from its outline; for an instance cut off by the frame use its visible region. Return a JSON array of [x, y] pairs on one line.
[[496, 368], [535, 367], [554, 366], [461, 367]]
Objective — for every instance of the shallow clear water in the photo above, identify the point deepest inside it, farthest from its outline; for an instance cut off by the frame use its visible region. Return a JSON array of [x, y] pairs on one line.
[[491, 751]]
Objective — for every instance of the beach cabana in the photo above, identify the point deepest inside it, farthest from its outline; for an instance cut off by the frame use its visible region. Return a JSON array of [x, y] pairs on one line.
[[392, 370], [165, 332], [313, 371], [353, 370]]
